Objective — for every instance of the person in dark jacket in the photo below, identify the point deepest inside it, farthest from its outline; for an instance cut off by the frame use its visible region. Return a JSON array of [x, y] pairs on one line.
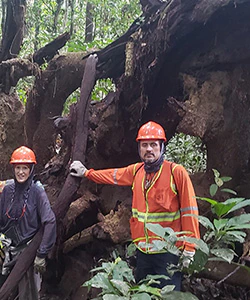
[[24, 209]]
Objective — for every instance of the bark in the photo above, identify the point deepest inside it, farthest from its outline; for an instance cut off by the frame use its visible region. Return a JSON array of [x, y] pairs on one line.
[[113, 227], [11, 130], [56, 16], [46, 102], [14, 69], [12, 35], [223, 272], [79, 239], [46, 53], [89, 27], [81, 214], [72, 7]]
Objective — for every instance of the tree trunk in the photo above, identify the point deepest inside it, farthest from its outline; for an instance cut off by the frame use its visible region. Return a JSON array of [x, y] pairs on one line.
[[89, 27], [13, 28]]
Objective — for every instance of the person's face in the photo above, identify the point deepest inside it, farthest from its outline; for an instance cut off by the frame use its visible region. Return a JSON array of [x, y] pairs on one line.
[[150, 150], [22, 172]]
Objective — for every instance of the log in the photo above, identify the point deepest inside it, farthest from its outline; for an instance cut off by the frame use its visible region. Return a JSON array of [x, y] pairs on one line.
[[113, 227], [223, 272], [14, 69], [71, 184], [81, 238], [47, 52], [81, 214]]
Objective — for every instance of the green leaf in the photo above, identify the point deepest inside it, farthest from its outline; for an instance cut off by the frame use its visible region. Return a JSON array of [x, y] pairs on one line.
[[226, 178], [224, 253], [235, 236], [237, 233], [167, 289], [160, 245], [152, 279], [106, 266], [221, 209], [199, 244], [238, 220], [234, 200], [218, 181], [216, 173], [114, 297], [211, 201], [122, 286], [100, 280], [243, 226], [229, 191], [131, 249], [240, 205], [219, 224], [157, 229], [213, 189], [149, 289], [200, 260], [141, 296], [174, 295], [203, 220], [121, 270], [209, 235]]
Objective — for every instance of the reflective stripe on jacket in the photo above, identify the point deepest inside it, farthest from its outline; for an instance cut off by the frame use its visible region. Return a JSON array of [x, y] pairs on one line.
[[159, 204]]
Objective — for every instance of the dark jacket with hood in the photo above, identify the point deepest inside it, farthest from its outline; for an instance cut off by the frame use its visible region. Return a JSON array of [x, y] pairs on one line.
[[24, 209]]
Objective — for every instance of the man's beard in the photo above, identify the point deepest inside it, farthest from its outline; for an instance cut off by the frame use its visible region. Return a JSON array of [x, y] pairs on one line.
[[149, 158]]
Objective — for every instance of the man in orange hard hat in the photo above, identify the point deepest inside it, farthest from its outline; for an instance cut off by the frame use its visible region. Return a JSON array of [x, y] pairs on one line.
[[162, 194]]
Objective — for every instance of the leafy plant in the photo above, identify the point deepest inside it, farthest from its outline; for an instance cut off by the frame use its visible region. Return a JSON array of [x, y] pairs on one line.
[[117, 282], [224, 230], [219, 181], [218, 243]]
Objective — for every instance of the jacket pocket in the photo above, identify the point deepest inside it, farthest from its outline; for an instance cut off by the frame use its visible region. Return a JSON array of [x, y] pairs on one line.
[[136, 228], [166, 199]]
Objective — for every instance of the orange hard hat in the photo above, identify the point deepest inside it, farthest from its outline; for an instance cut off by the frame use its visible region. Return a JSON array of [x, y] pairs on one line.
[[151, 131], [23, 155]]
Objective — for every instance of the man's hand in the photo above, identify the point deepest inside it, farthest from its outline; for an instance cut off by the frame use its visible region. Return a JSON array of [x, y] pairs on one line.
[[187, 258], [77, 169], [40, 265]]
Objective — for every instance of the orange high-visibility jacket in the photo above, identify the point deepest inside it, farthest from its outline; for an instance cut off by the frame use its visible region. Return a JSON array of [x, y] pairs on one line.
[[162, 203]]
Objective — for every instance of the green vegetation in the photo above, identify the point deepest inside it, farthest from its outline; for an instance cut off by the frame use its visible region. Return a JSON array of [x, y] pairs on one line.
[[116, 280], [92, 25], [187, 151], [218, 242], [48, 19]]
